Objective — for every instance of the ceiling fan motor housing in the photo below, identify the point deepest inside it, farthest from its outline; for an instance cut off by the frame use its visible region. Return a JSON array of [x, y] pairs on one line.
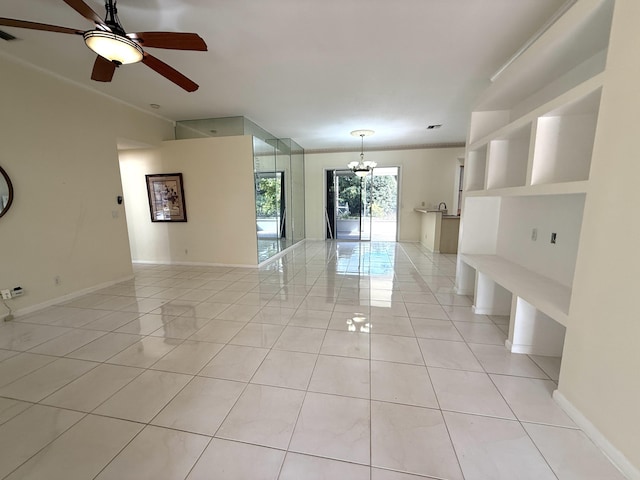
[[111, 20]]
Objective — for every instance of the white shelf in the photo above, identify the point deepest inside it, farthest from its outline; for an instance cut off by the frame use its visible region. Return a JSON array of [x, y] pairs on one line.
[[507, 159], [563, 103], [551, 146], [485, 123], [545, 294], [564, 141], [475, 169], [566, 188]]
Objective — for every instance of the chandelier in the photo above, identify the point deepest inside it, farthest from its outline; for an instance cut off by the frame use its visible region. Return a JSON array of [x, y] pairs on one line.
[[362, 168]]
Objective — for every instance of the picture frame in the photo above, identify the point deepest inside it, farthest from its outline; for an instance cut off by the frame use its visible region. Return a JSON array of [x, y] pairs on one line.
[[166, 197]]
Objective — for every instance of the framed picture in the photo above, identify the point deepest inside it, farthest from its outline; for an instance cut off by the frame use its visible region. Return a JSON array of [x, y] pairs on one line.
[[166, 197]]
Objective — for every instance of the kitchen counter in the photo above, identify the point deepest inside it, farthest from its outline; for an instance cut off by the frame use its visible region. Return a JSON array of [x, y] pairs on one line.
[[439, 231], [424, 210]]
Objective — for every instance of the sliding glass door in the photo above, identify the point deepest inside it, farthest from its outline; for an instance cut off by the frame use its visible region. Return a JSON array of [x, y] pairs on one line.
[[362, 208], [348, 211]]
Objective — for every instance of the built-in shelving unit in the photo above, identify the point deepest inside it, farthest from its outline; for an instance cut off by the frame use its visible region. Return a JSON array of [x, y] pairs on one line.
[[550, 145], [527, 170], [475, 169], [564, 142], [540, 189], [507, 159]]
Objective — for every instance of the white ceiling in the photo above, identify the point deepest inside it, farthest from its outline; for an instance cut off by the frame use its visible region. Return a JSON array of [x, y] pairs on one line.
[[311, 70]]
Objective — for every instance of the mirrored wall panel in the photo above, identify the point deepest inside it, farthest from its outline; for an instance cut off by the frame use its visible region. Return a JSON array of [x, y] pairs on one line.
[[278, 168], [279, 185], [297, 191], [219, 127]]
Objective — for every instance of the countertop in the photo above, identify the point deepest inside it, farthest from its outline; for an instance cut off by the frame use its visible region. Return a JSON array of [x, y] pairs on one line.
[[425, 210]]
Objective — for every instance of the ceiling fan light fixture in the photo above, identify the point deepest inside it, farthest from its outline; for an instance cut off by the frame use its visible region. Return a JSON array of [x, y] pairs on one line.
[[115, 48]]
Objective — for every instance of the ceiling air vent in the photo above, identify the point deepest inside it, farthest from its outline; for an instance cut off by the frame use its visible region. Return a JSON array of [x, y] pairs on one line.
[[6, 36]]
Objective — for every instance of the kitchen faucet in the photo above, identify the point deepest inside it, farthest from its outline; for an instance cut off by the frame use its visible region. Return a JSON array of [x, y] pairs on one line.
[[440, 205]]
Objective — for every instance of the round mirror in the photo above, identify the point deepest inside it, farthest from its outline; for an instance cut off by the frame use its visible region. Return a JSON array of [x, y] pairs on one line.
[[6, 192]]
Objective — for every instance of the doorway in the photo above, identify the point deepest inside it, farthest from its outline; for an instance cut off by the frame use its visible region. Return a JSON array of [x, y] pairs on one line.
[[350, 207], [362, 208]]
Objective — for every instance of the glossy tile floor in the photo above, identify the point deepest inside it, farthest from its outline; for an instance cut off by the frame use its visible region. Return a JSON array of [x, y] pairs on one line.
[[268, 247], [338, 361]]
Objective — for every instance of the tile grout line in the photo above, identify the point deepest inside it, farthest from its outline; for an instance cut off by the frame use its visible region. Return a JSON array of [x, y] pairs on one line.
[[300, 270]]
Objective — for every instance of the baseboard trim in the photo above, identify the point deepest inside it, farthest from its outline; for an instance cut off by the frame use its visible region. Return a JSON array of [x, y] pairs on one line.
[[192, 264], [69, 296], [487, 311], [209, 264], [482, 311], [615, 455], [464, 292], [529, 350]]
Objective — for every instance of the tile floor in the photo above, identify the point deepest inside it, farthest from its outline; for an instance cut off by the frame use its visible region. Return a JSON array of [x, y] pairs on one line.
[[338, 361]]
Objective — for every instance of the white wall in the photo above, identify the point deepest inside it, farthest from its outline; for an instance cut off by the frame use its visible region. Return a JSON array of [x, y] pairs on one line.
[[601, 357], [480, 222], [560, 214], [219, 198], [63, 163], [426, 175]]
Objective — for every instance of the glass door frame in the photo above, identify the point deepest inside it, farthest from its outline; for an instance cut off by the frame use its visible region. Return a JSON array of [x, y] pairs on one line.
[[377, 230], [333, 206]]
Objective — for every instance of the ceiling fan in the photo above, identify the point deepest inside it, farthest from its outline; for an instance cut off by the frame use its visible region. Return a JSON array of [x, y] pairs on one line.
[[115, 47]]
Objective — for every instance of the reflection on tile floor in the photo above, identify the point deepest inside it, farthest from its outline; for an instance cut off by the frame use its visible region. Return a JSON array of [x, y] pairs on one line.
[[337, 361], [268, 247]]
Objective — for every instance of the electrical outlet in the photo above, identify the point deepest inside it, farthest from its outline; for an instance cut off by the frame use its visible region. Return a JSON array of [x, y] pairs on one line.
[[6, 294], [17, 292], [553, 238], [534, 234]]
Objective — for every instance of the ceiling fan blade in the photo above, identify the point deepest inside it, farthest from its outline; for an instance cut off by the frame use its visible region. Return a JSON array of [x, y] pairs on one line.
[[86, 11], [169, 73], [103, 70], [10, 22], [171, 40]]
